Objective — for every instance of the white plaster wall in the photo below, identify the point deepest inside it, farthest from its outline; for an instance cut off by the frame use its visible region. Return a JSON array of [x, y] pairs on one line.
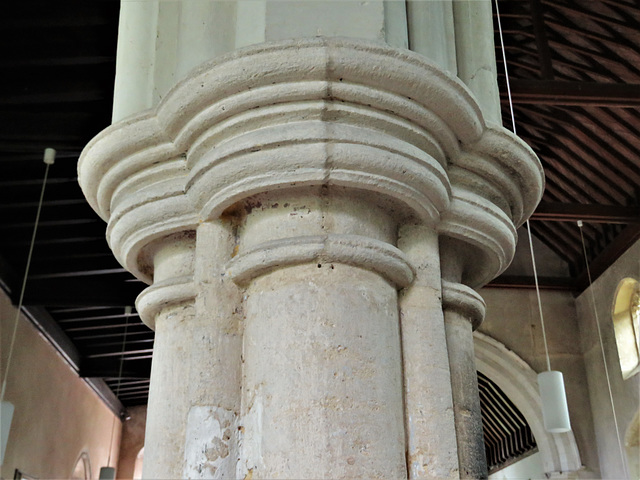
[[512, 318], [625, 392], [57, 416]]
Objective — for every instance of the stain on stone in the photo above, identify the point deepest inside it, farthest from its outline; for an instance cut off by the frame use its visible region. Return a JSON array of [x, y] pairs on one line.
[[216, 449]]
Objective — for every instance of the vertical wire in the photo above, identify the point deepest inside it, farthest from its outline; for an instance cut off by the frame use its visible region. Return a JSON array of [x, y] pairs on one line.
[[24, 283], [513, 127], [604, 359], [127, 313], [506, 71], [535, 277]]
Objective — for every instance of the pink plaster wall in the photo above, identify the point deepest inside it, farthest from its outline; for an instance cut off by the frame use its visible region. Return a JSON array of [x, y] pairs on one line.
[[57, 416]]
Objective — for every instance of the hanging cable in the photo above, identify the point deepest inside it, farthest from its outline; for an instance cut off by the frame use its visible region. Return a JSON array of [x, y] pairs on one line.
[[555, 410], [49, 158], [506, 72], [127, 314], [535, 279], [513, 128], [604, 359]]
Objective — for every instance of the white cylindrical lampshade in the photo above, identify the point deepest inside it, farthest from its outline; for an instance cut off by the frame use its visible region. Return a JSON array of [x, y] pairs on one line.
[[107, 473], [6, 415], [554, 402], [49, 156]]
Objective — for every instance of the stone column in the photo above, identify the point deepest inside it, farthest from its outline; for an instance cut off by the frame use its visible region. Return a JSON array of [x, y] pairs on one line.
[[427, 380], [277, 200], [463, 312], [322, 383]]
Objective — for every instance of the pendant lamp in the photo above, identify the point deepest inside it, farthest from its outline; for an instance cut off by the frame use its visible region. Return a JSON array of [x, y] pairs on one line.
[[107, 473], [555, 410], [6, 415]]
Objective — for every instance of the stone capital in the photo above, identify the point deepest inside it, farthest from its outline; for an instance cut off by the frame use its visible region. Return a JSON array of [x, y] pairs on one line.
[[309, 113]]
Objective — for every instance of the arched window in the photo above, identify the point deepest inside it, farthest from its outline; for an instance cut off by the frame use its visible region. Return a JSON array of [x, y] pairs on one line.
[[82, 470], [626, 323]]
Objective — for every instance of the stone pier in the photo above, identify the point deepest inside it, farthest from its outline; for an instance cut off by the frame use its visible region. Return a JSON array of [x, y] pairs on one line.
[[312, 216]]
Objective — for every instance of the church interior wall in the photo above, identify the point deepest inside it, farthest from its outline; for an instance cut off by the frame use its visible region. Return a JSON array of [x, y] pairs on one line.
[[625, 392], [512, 318], [57, 417]]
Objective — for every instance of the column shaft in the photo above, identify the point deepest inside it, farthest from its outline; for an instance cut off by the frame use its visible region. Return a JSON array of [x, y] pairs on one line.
[[463, 311], [476, 55], [194, 397], [427, 383], [322, 391], [466, 403], [169, 403], [322, 383]]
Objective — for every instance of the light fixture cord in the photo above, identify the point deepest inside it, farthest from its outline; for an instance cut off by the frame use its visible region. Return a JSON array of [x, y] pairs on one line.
[[127, 314], [506, 71], [513, 127], [535, 278], [604, 359], [24, 284]]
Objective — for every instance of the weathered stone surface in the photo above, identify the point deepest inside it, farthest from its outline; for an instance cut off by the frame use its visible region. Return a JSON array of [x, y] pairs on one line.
[[315, 178]]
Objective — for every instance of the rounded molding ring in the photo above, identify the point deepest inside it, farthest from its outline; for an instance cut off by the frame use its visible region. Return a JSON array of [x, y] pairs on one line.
[[164, 294], [463, 300], [485, 228], [312, 112], [380, 257]]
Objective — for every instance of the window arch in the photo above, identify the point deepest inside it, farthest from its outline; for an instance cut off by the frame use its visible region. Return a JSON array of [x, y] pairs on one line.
[[137, 470], [626, 324], [558, 451], [82, 469]]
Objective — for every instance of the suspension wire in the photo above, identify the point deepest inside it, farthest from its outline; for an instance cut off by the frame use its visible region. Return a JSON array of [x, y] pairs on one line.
[[513, 127], [127, 314], [24, 279], [604, 359], [506, 71], [535, 277]]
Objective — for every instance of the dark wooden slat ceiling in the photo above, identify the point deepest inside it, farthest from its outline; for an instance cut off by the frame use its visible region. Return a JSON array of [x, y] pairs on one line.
[[58, 65], [574, 71], [574, 68]]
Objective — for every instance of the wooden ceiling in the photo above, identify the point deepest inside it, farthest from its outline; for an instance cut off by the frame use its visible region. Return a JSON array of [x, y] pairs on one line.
[[574, 71], [574, 68]]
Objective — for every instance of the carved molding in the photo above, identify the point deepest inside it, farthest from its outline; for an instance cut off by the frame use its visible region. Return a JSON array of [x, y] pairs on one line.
[[311, 112], [163, 294], [380, 257], [463, 300]]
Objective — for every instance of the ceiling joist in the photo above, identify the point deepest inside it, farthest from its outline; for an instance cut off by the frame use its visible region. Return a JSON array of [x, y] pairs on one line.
[[554, 92]]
